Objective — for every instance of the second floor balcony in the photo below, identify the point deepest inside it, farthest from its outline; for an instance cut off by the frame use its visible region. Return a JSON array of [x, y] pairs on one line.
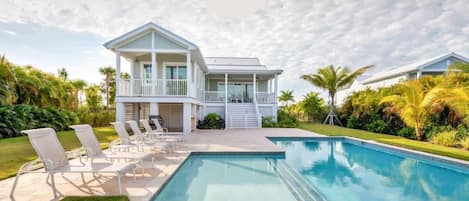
[[153, 87]]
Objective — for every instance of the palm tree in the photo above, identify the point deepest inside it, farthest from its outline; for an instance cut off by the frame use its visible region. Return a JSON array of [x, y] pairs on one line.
[[333, 79], [79, 86], [63, 74], [286, 96], [413, 103], [7, 77], [109, 76]]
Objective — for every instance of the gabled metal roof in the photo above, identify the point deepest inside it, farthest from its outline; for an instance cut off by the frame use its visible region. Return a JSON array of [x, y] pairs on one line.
[[412, 67], [145, 28]]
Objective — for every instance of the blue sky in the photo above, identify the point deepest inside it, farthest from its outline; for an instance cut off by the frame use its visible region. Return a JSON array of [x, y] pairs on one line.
[[298, 36]]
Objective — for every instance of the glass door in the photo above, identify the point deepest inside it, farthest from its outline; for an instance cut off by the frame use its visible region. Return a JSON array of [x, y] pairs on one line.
[[176, 76], [238, 92]]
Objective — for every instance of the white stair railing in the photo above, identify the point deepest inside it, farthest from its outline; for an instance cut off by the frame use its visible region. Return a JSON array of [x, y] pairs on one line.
[[258, 114]]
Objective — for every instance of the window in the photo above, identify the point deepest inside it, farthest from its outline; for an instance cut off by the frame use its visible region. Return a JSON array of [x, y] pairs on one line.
[[146, 71], [176, 72]]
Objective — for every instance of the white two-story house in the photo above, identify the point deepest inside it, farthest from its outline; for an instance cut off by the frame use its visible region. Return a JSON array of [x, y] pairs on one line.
[[170, 77]]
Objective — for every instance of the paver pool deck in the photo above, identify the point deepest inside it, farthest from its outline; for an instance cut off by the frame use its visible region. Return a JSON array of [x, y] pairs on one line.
[[35, 187]]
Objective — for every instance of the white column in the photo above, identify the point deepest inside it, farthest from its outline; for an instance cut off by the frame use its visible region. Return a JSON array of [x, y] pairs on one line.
[[189, 73], [120, 112], [154, 109], [276, 87], [118, 72], [186, 118], [226, 97], [132, 68], [154, 68], [254, 86]]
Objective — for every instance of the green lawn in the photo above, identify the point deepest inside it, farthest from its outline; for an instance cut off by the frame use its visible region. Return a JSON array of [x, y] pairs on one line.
[[387, 139], [96, 198], [16, 151]]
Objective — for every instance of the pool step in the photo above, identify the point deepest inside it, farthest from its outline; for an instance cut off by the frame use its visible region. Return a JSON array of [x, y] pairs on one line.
[[301, 189]]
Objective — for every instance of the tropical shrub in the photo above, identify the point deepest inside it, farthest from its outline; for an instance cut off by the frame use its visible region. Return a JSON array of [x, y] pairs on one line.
[[312, 107], [286, 120], [14, 119], [465, 143], [407, 132], [101, 118], [445, 138], [414, 102], [211, 121], [378, 126], [28, 85], [268, 122]]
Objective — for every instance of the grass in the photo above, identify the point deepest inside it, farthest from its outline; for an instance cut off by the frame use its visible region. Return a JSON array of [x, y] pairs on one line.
[[387, 139], [16, 151], [96, 198]]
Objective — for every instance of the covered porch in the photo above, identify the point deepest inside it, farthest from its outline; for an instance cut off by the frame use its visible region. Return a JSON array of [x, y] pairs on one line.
[[241, 88]]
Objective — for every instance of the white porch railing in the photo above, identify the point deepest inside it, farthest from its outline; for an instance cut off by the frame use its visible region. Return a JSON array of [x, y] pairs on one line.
[[158, 87], [214, 96], [265, 97]]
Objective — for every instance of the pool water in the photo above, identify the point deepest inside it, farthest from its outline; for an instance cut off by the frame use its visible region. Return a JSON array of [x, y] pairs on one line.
[[226, 178], [341, 171], [317, 170]]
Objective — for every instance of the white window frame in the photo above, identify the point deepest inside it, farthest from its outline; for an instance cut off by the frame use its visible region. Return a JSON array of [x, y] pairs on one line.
[[142, 64], [177, 64]]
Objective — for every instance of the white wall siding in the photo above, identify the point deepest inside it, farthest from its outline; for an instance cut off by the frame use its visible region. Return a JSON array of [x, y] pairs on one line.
[[220, 110], [162, 42], [144, 42], [266, 111]]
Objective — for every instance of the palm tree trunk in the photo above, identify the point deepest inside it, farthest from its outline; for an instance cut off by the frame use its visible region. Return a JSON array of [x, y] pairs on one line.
[[107, 91], [419, 132], [331, 118]]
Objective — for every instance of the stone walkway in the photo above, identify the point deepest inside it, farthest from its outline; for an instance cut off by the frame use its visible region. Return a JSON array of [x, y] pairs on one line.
[[34, 186]]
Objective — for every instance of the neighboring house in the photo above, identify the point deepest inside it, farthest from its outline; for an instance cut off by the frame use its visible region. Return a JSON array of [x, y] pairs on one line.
[[429, 67], [171, 78]]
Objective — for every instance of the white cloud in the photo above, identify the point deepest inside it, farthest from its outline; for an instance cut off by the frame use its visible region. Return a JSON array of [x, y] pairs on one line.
[[298, 36], [10, 32]]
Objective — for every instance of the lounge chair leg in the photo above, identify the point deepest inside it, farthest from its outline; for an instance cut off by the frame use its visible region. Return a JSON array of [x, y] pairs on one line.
[[53, 185], [15, 183], [119, 183]]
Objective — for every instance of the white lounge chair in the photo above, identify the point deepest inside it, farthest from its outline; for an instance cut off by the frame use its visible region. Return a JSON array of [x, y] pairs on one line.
[[90, 143], [54, 159], [139, 140], [141, 137], [159, 128], [159, 134]]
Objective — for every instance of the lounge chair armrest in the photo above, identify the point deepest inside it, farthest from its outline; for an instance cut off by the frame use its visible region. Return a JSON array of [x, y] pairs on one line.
[[75, 153], [30, 166], [114, 142]]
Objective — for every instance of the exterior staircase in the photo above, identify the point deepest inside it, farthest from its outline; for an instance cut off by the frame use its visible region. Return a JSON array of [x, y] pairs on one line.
[[242, 115]]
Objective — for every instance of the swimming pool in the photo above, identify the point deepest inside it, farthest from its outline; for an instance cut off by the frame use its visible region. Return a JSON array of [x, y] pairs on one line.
[[347, 170], [227, 177], [316, 169]]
